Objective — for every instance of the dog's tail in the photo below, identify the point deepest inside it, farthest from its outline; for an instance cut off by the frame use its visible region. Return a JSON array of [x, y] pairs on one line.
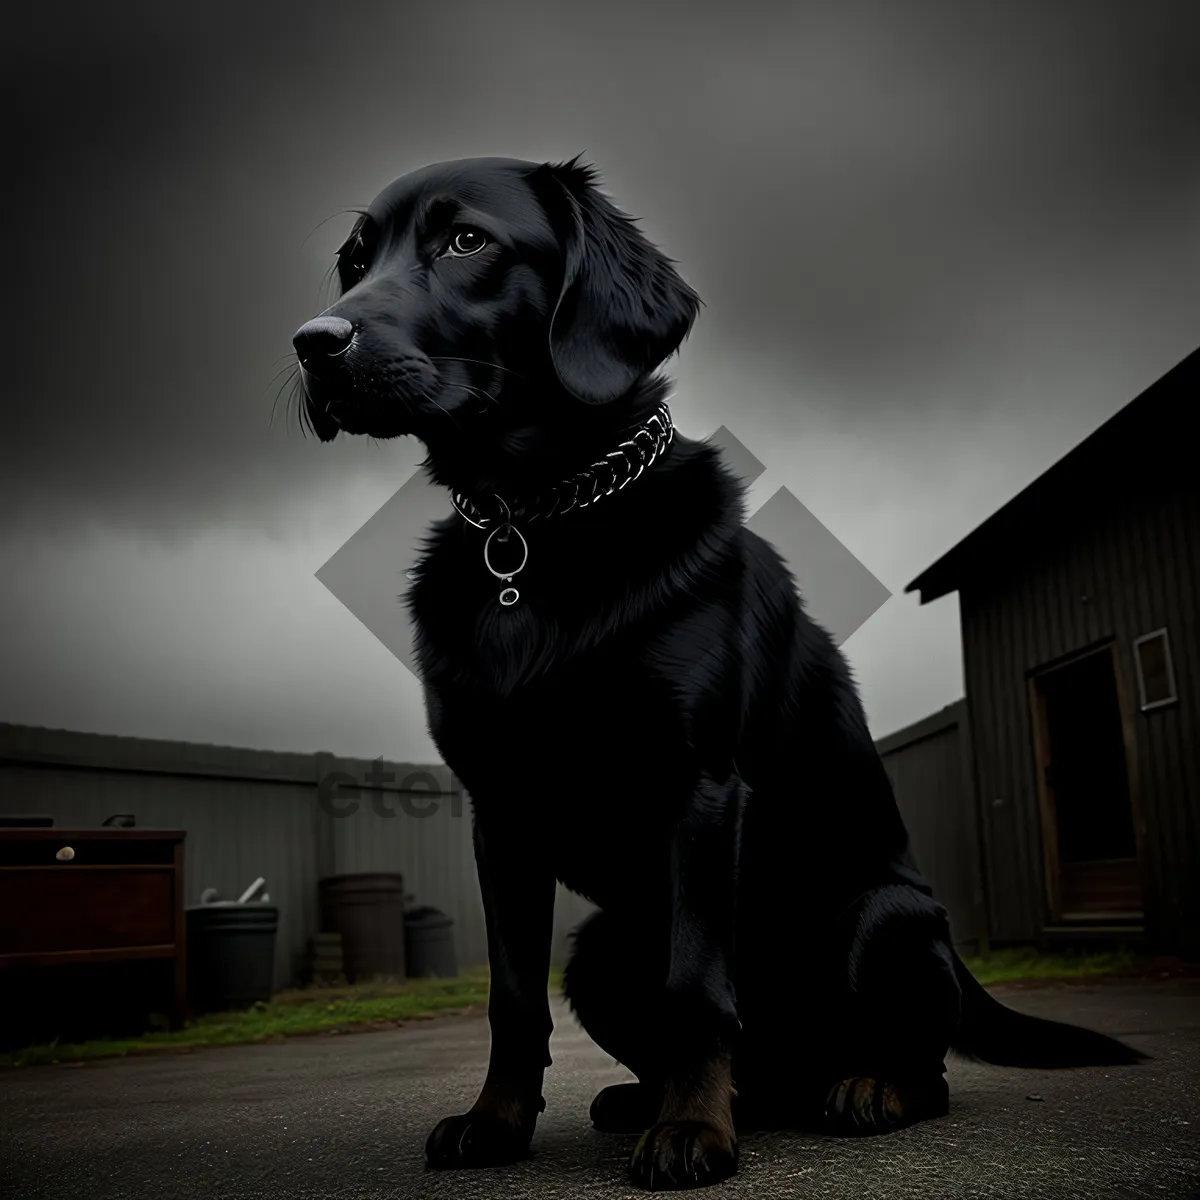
[[991, 1033]]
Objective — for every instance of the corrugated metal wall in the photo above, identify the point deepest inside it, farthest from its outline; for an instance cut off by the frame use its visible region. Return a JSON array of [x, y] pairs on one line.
[[930, 769], [249, 813], [1131, 570]]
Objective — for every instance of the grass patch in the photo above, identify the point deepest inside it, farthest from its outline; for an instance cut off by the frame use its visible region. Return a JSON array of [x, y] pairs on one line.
[[1017, 964], [303, 1011], [379, 1005]]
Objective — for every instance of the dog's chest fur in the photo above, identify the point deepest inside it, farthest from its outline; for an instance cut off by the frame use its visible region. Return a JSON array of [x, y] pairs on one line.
[[591, 759], [544, 679], [567, 709]]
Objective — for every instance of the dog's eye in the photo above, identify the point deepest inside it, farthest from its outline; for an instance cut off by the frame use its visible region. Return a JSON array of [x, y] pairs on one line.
[[465, 243], [352, 262]]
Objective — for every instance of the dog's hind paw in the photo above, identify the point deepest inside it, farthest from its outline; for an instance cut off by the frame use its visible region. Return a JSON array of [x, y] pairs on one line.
[[675, 1155], [864, 1107]]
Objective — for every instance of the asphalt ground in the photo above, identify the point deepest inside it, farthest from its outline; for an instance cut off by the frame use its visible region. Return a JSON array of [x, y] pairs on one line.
[[347, 1117]]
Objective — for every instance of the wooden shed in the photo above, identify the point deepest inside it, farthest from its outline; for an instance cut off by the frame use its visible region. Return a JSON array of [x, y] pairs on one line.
[[1079, 605], [929, 765]]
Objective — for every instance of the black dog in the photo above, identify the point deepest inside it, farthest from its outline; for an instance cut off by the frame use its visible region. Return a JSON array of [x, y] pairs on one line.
[[627, 685]]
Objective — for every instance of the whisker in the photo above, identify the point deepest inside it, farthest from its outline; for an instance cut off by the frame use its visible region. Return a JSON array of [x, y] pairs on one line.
[[294, 407], [293, 365], [306, 423], [290, 379], [299, 402], [296, 386], [479, 362], [453, 418], [325, 281], [291, 370], [479, 393], [340, 213]]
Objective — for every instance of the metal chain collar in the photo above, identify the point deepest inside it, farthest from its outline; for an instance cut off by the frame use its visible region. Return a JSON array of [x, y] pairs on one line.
[[646, 446]]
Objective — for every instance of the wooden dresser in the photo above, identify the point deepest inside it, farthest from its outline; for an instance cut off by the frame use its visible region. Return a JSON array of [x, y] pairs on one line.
[[79, 896]]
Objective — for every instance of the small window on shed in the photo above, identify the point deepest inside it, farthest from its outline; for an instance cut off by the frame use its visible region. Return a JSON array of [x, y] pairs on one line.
[[1155, 671]]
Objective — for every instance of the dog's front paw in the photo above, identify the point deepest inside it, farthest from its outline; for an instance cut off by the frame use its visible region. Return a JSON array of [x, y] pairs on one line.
[[476, 1139], [683, 1154]]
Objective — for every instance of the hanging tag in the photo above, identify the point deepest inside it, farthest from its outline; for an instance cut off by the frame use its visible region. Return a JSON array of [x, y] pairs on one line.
[[508, 595]]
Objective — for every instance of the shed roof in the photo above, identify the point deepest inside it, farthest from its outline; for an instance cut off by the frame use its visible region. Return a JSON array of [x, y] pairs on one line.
[[1153, 421]]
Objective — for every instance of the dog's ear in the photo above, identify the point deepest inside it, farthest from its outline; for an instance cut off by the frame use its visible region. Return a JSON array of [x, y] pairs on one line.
[[623, 309]]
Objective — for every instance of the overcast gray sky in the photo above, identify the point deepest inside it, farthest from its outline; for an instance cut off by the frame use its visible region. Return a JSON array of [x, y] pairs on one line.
[[939, 243]]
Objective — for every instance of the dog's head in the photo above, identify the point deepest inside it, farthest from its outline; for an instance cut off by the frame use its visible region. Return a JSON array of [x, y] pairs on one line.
[[481, 296]]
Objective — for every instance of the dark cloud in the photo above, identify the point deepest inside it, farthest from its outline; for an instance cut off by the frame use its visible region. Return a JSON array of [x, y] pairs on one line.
[[939, 242], [890, 209]]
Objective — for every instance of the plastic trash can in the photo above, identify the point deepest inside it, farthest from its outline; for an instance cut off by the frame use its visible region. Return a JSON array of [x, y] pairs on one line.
[[230, 954], [429, 938]]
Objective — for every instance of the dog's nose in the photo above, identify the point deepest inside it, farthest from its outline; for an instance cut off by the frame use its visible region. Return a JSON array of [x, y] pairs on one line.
[[322, 337]]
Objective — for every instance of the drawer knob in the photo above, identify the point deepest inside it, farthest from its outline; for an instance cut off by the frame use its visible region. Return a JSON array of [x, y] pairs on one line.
[[65, 854]]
